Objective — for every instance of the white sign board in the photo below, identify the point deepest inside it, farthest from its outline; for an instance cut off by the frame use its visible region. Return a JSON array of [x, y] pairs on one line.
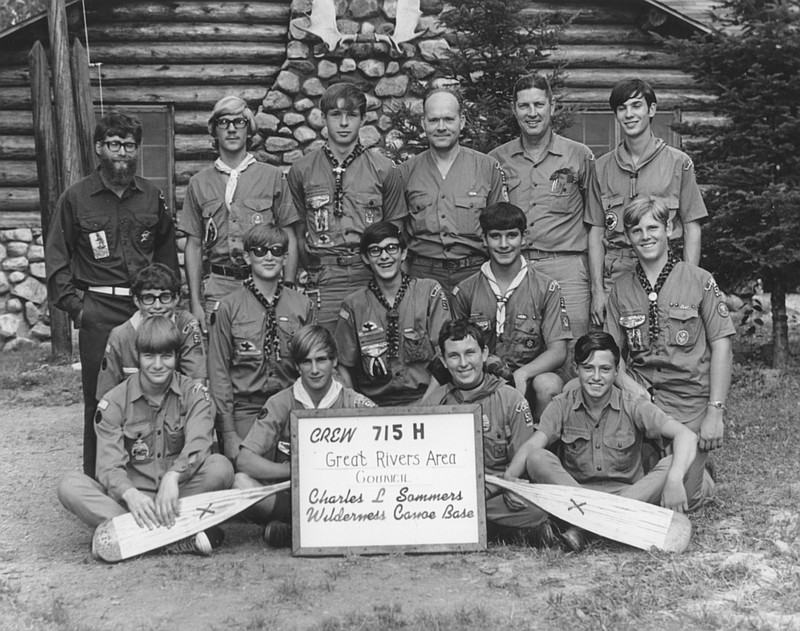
[[387, 479]]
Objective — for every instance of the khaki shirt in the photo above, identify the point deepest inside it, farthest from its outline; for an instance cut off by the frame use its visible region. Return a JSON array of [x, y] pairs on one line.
[[691, 314], [558, 194], [443, 212], [664, 172], [138, 442]]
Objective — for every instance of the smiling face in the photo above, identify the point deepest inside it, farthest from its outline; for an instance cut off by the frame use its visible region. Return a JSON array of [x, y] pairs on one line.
[[443, 120], [156, 369], [264, 263], [343, 125], [504, 247], [316, 370], [634, 116], [156, 307], [533, 111], [385, 258], [650, 239], [596, 376], [465, 359]]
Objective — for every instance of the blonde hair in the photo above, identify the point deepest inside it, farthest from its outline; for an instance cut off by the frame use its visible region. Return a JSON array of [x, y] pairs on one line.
[[228, 105]]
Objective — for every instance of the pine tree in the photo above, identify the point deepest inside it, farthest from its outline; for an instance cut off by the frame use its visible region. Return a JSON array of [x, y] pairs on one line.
[[750, 162]]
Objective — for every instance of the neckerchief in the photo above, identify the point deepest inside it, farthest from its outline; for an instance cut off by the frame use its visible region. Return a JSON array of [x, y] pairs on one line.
[[338, 172], [392, 315], [652, 292], [271, 340], [502, 298], [233, 176], [303, 398]]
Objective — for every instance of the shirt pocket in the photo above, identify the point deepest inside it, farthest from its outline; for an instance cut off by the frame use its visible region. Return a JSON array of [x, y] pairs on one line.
[[468, 209], [139, 442], [247, 213], [577, 451], [526, 340], [144, 232], [420, 207], [247, 342], [93, 225], [175, 437], [620, 451], [375, 355], [683, 326], [286, 331], [370, 206], [637, 332], [417, 346]]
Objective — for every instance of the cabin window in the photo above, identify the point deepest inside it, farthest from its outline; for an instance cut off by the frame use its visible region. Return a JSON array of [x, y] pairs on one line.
[[156, 155], [600, 131]]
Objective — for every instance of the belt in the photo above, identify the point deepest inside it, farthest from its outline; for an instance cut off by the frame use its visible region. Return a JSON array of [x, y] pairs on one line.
[[621, 251], [342, 260], [538, 255], [111, 291], [468, 261], [231, 272]]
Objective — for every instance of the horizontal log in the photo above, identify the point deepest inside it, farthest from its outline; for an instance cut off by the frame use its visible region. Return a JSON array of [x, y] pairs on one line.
[[247, 12], [165, 52], [17, 148], [613, 57], [185, 169], [704, 118], [188, 32], [193, 122], [14, 75], [577, 78], [623, 12], [184, 97], [19, 122], [11, 219], [16, 173], [611, 34], [666, 98], [185, 74], [19, 200], [194, 148]]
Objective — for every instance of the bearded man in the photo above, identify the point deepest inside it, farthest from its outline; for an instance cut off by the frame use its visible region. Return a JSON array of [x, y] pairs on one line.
[[105, 228]]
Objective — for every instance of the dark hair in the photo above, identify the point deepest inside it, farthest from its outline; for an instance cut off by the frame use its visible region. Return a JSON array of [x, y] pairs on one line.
[[595, 341], [377, 232], [307, 338], [634, 211], [157, 334], [502, 216], [628, 89], [118, 124], [456, 95], [264, 234], [354, 99], [156, 276], [457, 330], [532, 81]]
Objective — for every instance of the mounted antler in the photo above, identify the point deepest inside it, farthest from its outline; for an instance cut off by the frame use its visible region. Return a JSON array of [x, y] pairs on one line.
[[408, 15], [323, 24]]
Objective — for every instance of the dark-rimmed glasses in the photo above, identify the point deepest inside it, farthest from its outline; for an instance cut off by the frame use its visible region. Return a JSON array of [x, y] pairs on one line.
[[116, 145], [165, 297], [224, 123], [375, 251]]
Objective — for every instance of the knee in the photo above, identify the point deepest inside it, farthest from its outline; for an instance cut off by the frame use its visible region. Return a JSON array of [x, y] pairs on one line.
[[243, 481], [219, 472], [539, 461], [547, 385], [67, 489]]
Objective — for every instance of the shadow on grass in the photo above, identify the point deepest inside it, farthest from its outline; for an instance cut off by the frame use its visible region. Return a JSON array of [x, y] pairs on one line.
[[32, 377]]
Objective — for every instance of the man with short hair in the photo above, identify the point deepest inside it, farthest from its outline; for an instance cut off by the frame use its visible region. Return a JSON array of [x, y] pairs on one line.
[[507, 425], [520, 311], [386, 330], [105, 228], [446, 188], [671, 322], [248, 356], [601, 429], [643, 166], [154, 434], [339, 190], [265, 455], [224, 200], [552, 179], [156, 291]]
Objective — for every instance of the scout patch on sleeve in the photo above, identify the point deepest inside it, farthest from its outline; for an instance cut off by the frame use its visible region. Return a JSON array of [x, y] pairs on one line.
[[504, 182], [722, 309], [553, 285], [99, 244], [525, 409], [199, 387], [565, 324], [632, 325], [102, 405], [456, 289], [710, 285], [284, 448], [688, 165], [262, 413], [363, 402], [344, 314]]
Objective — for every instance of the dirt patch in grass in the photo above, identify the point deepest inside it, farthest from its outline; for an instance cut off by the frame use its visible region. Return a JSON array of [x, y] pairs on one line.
[[742, 570]]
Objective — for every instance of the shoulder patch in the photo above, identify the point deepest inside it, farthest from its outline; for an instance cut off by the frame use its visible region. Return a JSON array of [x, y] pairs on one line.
[[456, 289], [553, 286], [102, 405], [199, 387], [688, 165], [262, 413], [524, 408], [722, 309], [710, 285], [363, 402], [344, 314]]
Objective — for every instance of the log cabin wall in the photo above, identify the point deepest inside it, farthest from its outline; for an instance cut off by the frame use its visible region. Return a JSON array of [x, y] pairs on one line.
[[184, 55]]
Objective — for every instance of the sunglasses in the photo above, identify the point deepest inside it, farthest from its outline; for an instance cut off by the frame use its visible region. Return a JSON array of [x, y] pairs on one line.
[[375, 251], [224, 123], [116, 145], [165, 297], [261, 250]]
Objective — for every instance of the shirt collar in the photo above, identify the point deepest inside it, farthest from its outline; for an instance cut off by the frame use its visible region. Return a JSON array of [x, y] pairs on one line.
[[135, 388], [613, 401], [556, 146]]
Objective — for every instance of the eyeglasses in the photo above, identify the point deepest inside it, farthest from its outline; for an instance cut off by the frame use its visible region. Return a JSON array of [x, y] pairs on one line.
[[165, 297], [116, 145], [261, 250], [375, 251], [224, 123]]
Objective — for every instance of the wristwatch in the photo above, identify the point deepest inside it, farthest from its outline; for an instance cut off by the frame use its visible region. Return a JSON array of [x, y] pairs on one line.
[[720, 405]]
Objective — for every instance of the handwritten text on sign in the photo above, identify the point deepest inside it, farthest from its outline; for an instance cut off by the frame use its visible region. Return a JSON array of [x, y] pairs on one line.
[[368, 480]]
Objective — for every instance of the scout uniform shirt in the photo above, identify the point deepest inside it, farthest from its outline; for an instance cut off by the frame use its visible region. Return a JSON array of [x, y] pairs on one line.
[[261, 197], [270, 436], [608, 448], [536, 316], [137, 442], [361, 337], [371, 192], [239, 367], [505, 416], [691, 314], [98, 239], [443, 212], [121, 359], [663, 172], [559, 194]]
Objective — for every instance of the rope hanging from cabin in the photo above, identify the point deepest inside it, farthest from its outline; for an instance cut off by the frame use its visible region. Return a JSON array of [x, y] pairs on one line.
[[89, 57]]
